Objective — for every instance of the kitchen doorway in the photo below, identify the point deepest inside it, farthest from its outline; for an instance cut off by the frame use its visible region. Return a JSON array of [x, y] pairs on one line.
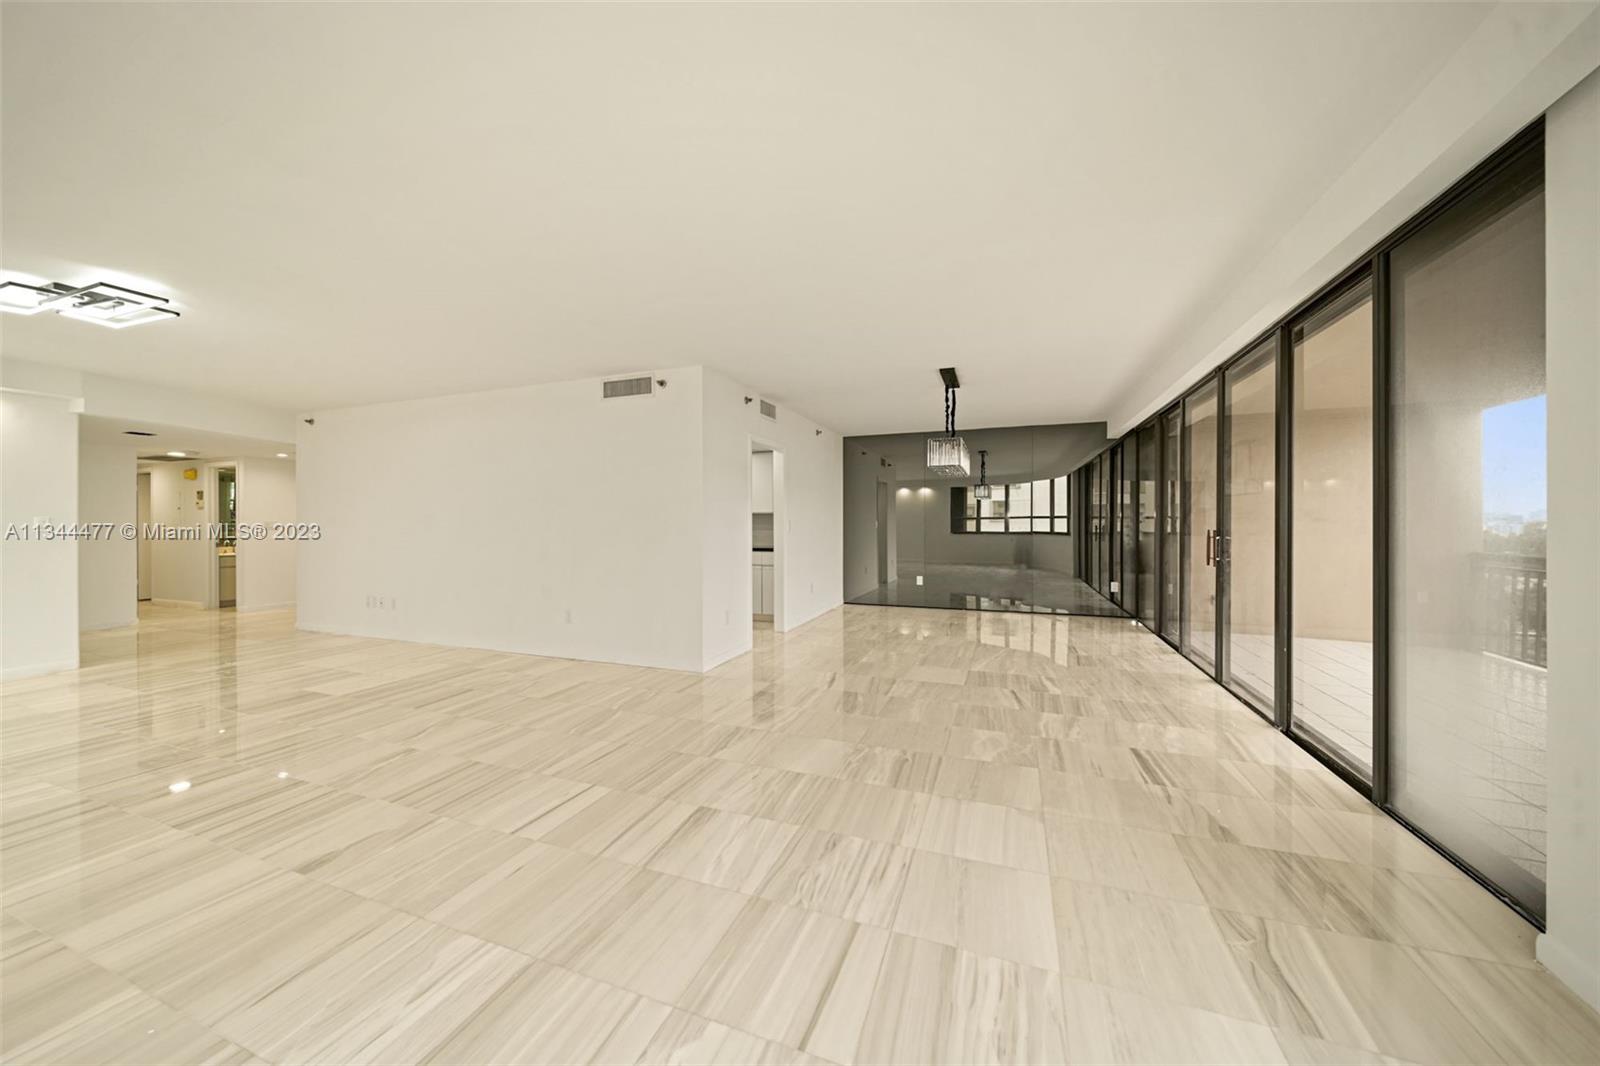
[[767, 522]]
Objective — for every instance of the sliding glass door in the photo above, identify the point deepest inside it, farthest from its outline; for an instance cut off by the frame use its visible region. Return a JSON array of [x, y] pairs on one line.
[[1149, 465], [1171, 524], [1331, 526], [1128, 526], [1200, 527], [1114, 524], [1249, 572], [1345, 525], [1468, 691]]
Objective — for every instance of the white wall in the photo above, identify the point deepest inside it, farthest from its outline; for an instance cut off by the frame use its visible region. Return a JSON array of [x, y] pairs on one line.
[[266, 568], [110, 397], [108, 569], [1571, 945], [808, 518], [38, 579], [179, 573], [760, 482], [540, 519]]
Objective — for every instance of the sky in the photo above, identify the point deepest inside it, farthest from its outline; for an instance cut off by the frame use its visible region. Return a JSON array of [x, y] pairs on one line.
[[1514, 457]]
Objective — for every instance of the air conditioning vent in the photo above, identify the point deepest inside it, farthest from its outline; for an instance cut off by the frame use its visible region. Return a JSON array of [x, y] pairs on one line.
[[610, 390], [138, 433], [168, 458], [769, 410]]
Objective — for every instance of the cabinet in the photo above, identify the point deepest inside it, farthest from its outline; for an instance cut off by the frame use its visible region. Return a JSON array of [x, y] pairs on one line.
[[762, 593]]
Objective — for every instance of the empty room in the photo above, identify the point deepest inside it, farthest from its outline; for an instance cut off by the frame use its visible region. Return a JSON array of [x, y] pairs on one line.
[[799, 533]]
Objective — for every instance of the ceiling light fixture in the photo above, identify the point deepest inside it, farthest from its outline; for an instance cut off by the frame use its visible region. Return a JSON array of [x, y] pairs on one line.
[[283, 455], [102, 303], [18, 298], [178, 455], [947, 455], [983, 490]]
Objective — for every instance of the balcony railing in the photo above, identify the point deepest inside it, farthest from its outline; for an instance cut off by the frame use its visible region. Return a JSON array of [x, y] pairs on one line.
[[1511, 603]]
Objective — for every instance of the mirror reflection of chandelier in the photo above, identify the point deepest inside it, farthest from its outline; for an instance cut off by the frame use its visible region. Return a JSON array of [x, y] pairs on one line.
[[947, 455]]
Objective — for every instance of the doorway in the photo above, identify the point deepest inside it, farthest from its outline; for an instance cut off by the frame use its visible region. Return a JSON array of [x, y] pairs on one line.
[[143, 581], [766, 536], [225, 481]]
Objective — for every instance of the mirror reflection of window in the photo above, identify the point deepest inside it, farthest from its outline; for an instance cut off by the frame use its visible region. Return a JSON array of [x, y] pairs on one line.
[[1019, 506]]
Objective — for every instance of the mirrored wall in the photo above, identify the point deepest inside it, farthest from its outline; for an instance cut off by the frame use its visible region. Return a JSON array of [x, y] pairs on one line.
[[1003, 538]]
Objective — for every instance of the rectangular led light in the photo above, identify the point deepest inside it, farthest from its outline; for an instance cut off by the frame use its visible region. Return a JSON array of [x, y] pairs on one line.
[[136, 317], [19, 299], [111, 305]]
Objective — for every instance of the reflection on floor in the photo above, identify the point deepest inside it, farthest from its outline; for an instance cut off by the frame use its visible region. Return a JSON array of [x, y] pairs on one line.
[[990, 588], [1476, 769], [886, 836]]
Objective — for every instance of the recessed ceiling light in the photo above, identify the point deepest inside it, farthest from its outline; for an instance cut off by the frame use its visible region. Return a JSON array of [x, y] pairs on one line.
[[102, 303], [178, 455], [178, 786], [283, 455]]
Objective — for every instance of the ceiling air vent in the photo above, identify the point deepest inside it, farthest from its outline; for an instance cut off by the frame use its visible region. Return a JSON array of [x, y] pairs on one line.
[[769, 410], [610, 390]]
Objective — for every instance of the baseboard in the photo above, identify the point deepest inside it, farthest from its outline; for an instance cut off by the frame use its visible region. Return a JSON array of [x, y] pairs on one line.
[[17, 673], [1577, 972], [109, 625], [796, 623], [716, 659], [266, 607], [196, 604], [436, 640]]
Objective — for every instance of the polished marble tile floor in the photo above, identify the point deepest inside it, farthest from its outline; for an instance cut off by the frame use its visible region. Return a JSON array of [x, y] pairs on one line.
[[1012, 589], [893, 835]]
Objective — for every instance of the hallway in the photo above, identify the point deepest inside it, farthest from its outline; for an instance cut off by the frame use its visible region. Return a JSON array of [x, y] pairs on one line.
[[902, 835]]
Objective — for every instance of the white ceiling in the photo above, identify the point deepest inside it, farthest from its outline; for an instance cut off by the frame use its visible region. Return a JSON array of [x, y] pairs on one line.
[[362, 202], [195, 444]]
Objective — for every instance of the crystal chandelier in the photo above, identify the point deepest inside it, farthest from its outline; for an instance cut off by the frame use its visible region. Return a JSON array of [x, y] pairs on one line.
[[983, 490], [947, 455]]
